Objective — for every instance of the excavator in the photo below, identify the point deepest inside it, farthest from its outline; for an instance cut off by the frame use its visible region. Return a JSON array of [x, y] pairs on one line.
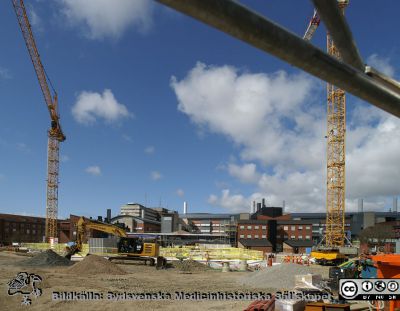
[[128, 248]]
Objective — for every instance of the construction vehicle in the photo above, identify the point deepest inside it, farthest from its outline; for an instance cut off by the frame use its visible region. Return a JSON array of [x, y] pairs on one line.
[[55, 133], [328, 257], [128, 248]]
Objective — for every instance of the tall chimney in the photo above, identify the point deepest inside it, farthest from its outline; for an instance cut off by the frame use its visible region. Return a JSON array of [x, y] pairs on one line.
[[263, 202], [394, 209], [283, 206], [108, 215], [253, 208], [185, 207], [258, 206], [360, 205]]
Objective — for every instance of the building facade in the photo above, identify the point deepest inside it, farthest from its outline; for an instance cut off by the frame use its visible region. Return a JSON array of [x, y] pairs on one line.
[[18, 228]]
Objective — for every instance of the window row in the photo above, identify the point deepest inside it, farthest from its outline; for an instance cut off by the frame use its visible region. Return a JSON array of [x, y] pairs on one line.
[[255, 236], [253, 227], [293, 228]]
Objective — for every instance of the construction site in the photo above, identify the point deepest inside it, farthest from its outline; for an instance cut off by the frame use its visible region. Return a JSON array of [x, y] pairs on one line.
[[260, 256]]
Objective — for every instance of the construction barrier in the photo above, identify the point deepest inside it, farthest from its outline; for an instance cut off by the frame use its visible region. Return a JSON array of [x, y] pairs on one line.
[[196, 253]]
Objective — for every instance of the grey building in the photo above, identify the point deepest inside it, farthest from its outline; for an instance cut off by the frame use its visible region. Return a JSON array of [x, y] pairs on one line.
[[208, 223], [354, 222], [140, 211]]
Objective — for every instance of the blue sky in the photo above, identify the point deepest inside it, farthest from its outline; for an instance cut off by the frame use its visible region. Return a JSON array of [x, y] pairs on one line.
[[158, 107]]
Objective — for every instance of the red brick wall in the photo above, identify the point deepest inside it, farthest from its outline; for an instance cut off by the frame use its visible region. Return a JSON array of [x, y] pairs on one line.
[[266, 249], [253, 231], [297, 232], [16, 228]]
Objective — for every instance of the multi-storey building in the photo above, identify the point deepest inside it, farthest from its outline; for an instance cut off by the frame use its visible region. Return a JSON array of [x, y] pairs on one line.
[[207, 223]]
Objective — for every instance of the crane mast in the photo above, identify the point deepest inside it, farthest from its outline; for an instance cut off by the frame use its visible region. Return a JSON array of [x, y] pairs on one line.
[[55, 133], [336, 156], [336, 150]]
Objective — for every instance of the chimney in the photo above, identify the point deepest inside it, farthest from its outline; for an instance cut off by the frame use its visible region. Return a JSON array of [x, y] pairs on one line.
[[263, 202], [394, 209], [283, 206], [108, 215], [185, 207], [253, 207], [360, 205], [258, 206]]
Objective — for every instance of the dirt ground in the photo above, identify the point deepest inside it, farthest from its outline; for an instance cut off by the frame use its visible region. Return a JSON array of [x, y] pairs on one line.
[[138, 279]]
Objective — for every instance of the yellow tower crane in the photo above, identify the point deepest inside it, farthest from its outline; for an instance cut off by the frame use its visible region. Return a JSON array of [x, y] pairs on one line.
[[336, 151], [55, 133]]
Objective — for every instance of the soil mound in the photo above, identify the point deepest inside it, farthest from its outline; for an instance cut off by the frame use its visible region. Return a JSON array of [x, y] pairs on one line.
[[47, 258], [190, 266], [275, 277], [93, 264]]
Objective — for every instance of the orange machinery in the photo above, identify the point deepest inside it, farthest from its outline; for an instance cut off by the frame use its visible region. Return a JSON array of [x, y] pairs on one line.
[[388, 268]]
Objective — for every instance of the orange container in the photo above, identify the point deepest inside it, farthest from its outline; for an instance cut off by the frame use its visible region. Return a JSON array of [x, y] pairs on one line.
[[388, 266]]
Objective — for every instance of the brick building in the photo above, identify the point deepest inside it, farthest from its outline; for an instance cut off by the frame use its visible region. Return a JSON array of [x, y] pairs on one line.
[[297, 246], [256, 244], [272, 226], [18, 228]]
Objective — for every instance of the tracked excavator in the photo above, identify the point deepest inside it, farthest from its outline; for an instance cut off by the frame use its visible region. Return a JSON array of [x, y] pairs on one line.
[[128, 248]]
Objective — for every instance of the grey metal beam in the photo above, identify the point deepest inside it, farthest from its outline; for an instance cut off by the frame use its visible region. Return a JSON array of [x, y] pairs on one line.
[[254, 29], [340, 31]]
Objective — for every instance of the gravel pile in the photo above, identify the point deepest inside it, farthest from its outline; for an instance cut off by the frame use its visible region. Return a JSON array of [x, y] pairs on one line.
[[190, 266], [276, 277], [47, 258], [92, 265]]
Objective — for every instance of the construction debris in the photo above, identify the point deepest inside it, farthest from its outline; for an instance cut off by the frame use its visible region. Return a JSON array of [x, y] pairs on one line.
[[280, 277], [46, 258], [93, 264], [190, 266]]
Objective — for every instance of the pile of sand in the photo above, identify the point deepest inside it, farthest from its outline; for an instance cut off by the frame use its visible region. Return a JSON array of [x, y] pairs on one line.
[[190, 266], [276, 277], [92, 264], [47, 258]]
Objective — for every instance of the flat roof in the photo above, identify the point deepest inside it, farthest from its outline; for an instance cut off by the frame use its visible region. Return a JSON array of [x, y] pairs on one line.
[[207, 216]]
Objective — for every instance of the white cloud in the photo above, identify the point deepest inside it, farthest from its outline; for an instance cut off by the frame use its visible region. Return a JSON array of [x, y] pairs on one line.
[[65, 158], [127, 138], [108, 18], [155, 175], [4, 74], [277, 120], [180, 192], [34, 19], [246, 173], [93, 170], [381, 63], [149, 150], [91, 105], [235, 202], [23, 147]]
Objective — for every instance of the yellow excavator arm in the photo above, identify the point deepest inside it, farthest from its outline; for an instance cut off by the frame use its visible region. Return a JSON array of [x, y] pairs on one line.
[[85, 224]]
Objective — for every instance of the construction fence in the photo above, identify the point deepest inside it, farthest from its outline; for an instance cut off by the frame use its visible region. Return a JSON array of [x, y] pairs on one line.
[[229, 253], [105, 247]]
